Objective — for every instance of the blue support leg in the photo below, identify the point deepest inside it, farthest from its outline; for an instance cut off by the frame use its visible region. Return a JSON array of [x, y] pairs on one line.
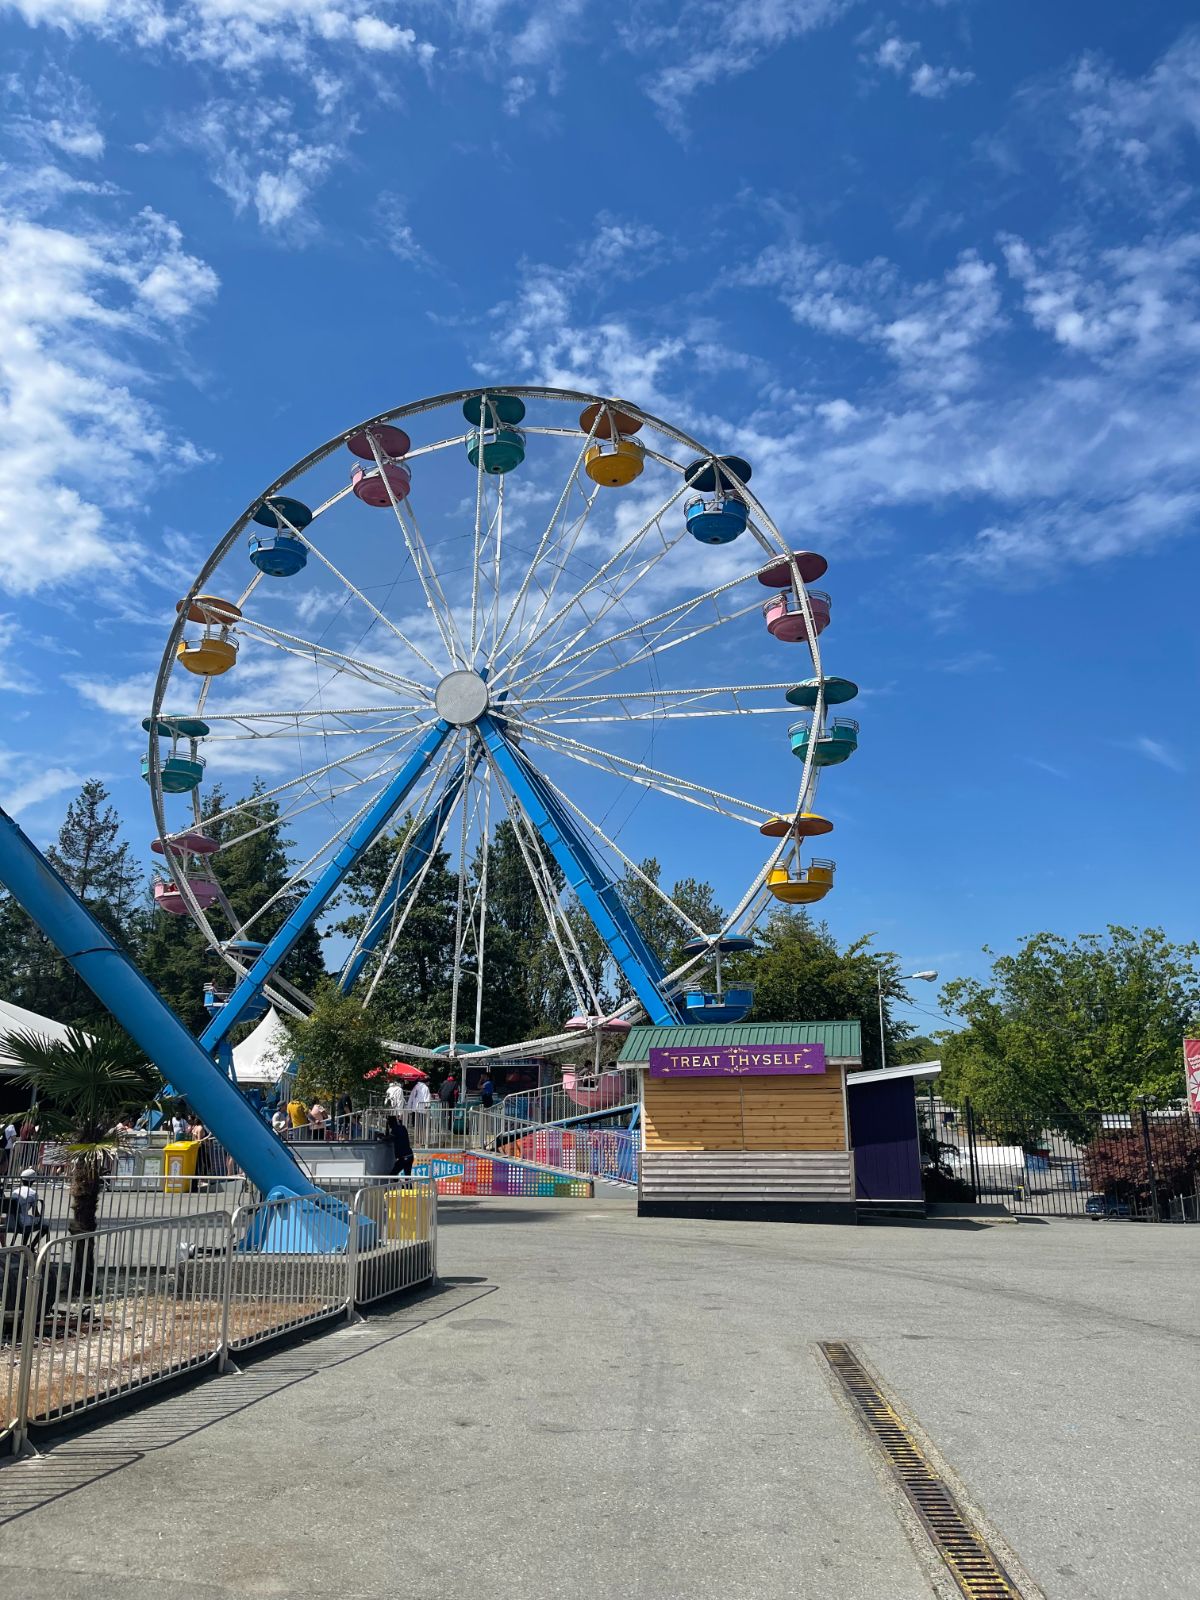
[[597, 893], [121, 987], [326, 885]]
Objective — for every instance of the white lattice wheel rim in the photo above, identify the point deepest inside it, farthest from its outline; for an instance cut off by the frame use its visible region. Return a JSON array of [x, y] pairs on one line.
[[772, 548]]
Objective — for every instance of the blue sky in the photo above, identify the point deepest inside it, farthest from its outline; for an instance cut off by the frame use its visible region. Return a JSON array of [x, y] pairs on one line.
[[931, 267]]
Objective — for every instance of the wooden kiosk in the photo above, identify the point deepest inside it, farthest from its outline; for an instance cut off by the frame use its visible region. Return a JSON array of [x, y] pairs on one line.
[[746, 1120]]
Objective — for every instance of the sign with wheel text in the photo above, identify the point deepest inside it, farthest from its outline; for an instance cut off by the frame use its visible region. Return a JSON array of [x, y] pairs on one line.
[[1191, 1071], [736, 1060]]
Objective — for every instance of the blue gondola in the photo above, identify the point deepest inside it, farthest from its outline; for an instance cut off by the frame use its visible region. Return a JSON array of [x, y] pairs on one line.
[[729, 1005], [279, 553], [717, 521]]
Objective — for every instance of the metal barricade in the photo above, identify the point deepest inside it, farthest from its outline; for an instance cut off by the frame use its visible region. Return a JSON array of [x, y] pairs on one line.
[[396, 1237], [148, 1197], [120, 1309], [16, 1270], [277, 1279]]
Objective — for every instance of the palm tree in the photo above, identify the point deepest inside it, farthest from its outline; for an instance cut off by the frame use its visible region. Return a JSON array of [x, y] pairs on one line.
[[83, 1084]]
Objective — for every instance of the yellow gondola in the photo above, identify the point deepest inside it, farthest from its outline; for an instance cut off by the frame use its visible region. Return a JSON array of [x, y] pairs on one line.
[[805, 886]]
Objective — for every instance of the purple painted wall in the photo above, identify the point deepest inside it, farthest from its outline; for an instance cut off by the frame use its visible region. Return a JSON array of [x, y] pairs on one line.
[[883, 1135]]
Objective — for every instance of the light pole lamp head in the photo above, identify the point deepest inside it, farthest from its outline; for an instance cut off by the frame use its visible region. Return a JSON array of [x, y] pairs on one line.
[[929, 977]]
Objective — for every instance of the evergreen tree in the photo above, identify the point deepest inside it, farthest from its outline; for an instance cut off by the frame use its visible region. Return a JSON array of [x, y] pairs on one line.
[[96, 863], [800, 974], [662, 930], [175, 955]]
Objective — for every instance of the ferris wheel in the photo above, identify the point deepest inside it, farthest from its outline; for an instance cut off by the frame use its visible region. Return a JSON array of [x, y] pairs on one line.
[[523, 603]]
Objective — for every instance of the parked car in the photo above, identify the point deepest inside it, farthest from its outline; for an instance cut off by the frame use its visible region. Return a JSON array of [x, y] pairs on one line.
[[1103, 1205]]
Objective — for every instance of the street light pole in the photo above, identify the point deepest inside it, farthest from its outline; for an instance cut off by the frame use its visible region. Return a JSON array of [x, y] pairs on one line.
[[927, 977]]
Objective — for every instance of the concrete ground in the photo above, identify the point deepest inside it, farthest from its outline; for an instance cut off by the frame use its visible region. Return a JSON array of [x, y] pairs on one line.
[[596, 1405]]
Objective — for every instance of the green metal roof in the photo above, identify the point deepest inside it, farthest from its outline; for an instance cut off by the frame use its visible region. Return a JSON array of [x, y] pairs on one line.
[[842, 1040]]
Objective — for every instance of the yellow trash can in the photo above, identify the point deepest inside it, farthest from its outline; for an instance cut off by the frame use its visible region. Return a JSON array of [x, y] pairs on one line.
[[179, 1166], [404, 1220]]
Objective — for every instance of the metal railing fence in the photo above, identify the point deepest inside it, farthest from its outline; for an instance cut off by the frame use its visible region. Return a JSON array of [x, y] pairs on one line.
[[94, 1317], [1137, 1163], [555, 1103], [150, 1197], [610, 1153], [396, 1239], [288, 1266], [16, 1269], [120, 1309]]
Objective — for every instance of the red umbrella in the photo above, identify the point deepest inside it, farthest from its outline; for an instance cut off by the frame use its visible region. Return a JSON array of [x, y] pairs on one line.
[[401, 1069]]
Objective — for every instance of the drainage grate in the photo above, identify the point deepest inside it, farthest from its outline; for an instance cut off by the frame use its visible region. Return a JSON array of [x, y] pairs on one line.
[[973, 1564]]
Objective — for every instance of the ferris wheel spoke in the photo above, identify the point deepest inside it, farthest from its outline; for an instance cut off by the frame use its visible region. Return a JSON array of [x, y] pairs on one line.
[[293, 644], [547, 897], [681, 611], [392, 725], [400, 913], [417, 816], [560, 562], [407, 735], [670, 697], [653, 643], [420, 558], [591, 583], [629, 865], [611, 599], [547, 535], [655, 717], [304, 536], [300, 875], [650, 777]]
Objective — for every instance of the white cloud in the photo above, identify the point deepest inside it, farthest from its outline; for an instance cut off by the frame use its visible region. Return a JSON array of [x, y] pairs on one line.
[[40, 786], [76, 435], [128, 698], [13, 677], [932, 331], [240, 36], [722, 41], [1135, 303], [260, 160], [903, 57], [1155, 750], [934, 83]]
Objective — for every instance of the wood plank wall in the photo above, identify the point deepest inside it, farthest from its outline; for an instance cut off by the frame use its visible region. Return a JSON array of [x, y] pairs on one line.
[[759, 1114]]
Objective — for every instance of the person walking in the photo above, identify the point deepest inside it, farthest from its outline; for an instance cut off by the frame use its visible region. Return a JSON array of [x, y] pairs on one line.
[[487, 1092], [448, 1093], [280, 1122], [402, 1149], [318, 1116]]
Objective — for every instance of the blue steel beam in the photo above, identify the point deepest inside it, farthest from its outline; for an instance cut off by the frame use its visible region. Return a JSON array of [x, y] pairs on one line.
[[119, 985], [326, 884], [416, 853], [597, 893]]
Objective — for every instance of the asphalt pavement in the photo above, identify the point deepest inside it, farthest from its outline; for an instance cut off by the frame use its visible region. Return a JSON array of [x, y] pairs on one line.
[[593, 1404]]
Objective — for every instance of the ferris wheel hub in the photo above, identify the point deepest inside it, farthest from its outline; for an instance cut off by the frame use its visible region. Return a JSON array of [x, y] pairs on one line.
[[461, 698]]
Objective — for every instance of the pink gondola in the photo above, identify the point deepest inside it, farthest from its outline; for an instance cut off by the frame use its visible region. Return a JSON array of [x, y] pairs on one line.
[[371, 489], [785, 620], [168, 898], [607, 1090]]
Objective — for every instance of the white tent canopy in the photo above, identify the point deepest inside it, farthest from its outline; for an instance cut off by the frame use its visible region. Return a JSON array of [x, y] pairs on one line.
[[14, 1017], [261, 1057]]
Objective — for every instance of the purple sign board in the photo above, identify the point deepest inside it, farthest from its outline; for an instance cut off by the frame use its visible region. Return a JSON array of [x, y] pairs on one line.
[[736, 1060]]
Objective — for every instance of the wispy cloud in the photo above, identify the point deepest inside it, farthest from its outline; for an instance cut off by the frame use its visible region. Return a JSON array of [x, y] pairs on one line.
[[80, 308], [1162, 754], [903, 57]]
